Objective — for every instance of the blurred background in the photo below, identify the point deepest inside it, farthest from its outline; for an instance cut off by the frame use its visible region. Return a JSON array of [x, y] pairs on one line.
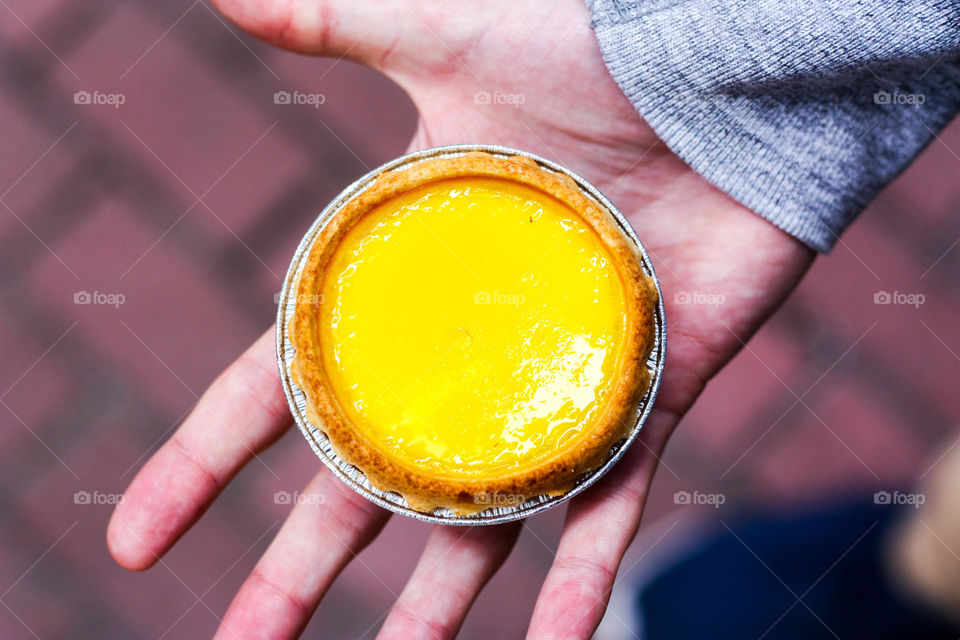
[[152, 191]]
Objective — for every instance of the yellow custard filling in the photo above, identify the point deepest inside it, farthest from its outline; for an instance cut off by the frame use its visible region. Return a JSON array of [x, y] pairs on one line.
[[471, 325]]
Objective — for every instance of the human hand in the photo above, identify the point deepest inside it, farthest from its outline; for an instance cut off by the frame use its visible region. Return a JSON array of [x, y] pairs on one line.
[[557, 100]]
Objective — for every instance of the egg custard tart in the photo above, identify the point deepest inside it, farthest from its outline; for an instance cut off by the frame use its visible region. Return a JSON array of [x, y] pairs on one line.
[[473, 331]]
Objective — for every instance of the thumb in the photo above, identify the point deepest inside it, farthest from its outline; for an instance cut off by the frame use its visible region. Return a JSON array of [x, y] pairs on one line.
[[367, 31]]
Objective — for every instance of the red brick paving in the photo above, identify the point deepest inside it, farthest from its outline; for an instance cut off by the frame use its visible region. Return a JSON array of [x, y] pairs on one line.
[[33, 388], [164, 296], [100, 399]]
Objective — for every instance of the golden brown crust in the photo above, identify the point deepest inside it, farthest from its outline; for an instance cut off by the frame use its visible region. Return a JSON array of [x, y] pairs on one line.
[[553, 475]]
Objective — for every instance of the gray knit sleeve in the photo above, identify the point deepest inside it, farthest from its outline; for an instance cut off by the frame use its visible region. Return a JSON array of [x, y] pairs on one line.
[[801, 110]]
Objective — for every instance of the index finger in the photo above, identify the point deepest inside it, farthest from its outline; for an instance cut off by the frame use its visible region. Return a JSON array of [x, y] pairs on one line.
[[242, 413]]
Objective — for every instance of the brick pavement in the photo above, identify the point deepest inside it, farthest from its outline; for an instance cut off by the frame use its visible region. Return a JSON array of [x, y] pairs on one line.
[[112, 207]]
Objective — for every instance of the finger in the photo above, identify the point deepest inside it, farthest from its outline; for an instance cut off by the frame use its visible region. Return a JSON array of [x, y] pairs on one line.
[[455, 565], [599, 527], [373, 32], [328, 527], [242, 413]]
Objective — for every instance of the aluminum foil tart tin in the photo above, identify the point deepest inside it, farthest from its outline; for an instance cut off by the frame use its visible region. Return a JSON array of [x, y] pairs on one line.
[[353, 477]]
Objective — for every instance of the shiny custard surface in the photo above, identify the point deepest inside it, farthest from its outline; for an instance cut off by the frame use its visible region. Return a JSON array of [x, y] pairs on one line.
[[471, 325]]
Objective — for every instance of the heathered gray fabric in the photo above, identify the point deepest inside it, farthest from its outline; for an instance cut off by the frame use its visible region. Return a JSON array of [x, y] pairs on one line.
[[800, 110]]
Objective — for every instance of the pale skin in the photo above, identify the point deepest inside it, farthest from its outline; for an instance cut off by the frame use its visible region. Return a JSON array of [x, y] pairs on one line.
[[700, 240], [920, 554]]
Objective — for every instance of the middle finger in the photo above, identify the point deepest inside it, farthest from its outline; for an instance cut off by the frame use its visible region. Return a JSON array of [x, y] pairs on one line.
[[328, 527]]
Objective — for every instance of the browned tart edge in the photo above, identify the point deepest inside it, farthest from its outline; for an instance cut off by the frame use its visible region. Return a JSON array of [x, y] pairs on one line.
[[553, 475]]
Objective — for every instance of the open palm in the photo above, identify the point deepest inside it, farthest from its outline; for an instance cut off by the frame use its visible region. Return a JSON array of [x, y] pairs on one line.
[[526, 74]]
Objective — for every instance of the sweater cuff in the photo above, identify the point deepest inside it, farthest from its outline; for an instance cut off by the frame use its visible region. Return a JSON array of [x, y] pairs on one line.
[[777, 110]]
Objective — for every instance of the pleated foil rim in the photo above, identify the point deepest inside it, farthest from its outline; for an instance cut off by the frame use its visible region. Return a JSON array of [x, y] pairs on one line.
[[353, 477]]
